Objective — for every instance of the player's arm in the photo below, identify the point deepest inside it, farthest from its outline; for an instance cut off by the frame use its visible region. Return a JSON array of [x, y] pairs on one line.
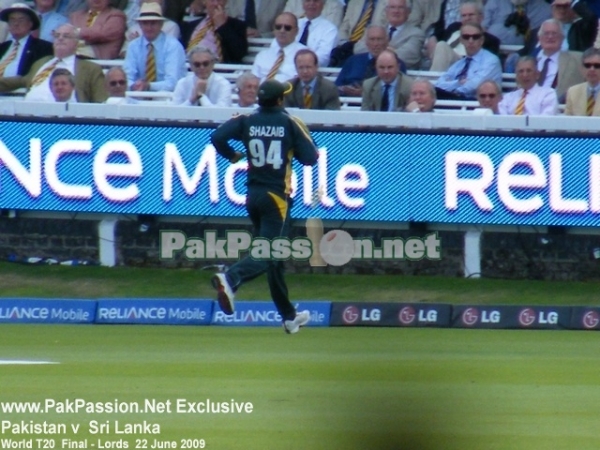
[[230, 130], [305, 149]]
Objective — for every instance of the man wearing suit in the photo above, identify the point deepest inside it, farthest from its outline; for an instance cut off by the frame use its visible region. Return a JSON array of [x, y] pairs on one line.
[[558, 69], [390, 89], [101, 30], [448, 49], [406, 39], [583, 99], [310, 90], [18, 54], [224, 35], [89, 78], [261, 22]]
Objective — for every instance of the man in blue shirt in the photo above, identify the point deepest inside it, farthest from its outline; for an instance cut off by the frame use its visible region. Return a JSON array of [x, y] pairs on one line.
[[461, 79], [154, 61]]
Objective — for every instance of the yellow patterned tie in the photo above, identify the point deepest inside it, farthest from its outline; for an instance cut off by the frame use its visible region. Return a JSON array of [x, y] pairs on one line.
[[150, 64], [365, 19], [219, 48], [520, 109], [591, 102], [41, 76], [91, 17], [10, 58], [199, 33], [277, 65], [307, 97]]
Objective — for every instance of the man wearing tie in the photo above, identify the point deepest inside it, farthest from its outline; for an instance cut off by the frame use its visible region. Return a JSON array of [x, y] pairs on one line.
[[530, 99], [582, 99], [316, 32], [461, 79], [18, 54], [259, 15], [390, 89]]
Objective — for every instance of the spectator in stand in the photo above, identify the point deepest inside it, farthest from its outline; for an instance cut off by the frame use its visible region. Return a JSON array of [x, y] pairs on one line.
[[316, 32], [277, 61], [446, 51], [22, 50], [434, 16], [154, 61], [258, 15], [169, 27], [224, 35], [362, 66], [89, 78], [461, 79], [422, 96], [50, 19], [558, 69], [530, 99], [116, 86], [333, 10], [511, 21], [101, 30], [67, 7], [390, 89], [582, 99], [62, 86], [489, 95], [247, 90], [405, 39], [175, 9], [310, 90], [359, 15], [202, 87]]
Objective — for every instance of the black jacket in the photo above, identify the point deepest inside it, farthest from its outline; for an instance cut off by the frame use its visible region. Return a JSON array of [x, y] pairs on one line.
[[34, 49], [234, 43]]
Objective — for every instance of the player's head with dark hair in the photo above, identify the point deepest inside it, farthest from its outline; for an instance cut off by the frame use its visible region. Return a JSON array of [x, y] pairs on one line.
[[271, 92]]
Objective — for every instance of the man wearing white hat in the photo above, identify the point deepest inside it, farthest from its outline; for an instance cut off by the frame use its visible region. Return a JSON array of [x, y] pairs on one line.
[[18, 54], [154, 61]]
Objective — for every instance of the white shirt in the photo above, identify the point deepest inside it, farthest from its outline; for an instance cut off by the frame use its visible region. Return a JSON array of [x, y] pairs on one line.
[[540, 101], [552, 67], [42, 92], [264, 61], [322, 37], [218, 91]]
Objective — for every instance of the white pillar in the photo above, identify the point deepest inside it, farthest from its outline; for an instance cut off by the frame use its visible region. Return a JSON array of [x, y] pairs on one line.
[[107, 242], [473, 254]]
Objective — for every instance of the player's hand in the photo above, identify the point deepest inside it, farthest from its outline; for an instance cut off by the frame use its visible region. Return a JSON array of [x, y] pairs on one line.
[[236, 157]]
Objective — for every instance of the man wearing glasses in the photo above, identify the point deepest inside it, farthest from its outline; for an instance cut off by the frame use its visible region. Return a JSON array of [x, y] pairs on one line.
[[489, 94], [89, 78], [22, 49], [203, 87], [582, 99], [277, 61], [461, 79]]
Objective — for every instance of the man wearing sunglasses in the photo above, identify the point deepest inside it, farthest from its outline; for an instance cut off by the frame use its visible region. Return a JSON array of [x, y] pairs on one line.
[[582, 99], [461, 79], [489, 95], [277, 61], [202, 87]]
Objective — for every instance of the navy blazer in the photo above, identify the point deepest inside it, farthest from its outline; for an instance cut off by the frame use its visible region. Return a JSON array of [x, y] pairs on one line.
[[34, 49]]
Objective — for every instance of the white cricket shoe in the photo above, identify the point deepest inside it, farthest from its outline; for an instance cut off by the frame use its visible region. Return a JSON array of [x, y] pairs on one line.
[[293, 326], [225, 294]]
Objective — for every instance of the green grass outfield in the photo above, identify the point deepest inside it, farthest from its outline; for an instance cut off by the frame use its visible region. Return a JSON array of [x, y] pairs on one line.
[[324, 388], [337, 388]]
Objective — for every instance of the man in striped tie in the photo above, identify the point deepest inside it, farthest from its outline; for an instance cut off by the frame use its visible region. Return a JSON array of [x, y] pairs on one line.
[[277, 61], [530, 99], [224, 35], [21, 50], [154, 61], [310, 90], [89, 78], [582, 99]]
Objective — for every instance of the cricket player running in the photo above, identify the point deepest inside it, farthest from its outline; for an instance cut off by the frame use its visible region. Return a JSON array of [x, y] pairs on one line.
[[272, 138]]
